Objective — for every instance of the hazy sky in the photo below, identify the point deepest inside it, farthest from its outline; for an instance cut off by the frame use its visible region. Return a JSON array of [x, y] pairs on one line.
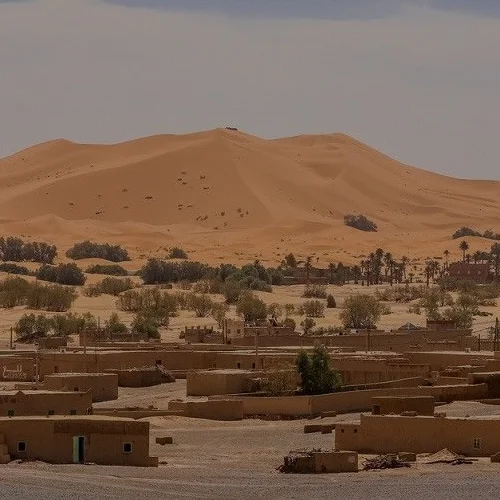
[[417, 79]]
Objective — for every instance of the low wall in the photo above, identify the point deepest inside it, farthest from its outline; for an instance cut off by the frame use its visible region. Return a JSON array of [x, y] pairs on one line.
[[136, 414], [387, 405], [104, 386], [352, 401], [208, 383], [230, 409]]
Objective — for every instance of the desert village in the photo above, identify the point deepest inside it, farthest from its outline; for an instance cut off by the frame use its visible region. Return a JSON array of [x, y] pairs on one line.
[[84, 397]]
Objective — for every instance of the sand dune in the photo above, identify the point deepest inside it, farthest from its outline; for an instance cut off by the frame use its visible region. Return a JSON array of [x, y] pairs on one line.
[[223, 193]]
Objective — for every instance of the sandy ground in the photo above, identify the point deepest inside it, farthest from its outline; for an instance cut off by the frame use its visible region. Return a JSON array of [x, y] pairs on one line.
[[229, 196], [232, 460]]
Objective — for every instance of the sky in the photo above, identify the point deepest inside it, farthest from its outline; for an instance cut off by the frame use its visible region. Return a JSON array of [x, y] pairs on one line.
[[417, 79]]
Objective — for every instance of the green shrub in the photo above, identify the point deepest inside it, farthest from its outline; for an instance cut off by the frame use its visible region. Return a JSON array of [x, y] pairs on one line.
[[314, 308], [63, 274], [360, 222], [315, 292], [8, 267], [55, 298], [316, 376], [201, 304], [361, 311], [330, 302], [30, 327], [109, 269], [105, 251], [115, 286], [13, 292], [16, 250], [177, 253], [251, 307]]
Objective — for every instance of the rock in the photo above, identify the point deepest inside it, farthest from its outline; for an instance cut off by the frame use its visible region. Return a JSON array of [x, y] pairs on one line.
[[407, 456], [495, 458], [165, 440]]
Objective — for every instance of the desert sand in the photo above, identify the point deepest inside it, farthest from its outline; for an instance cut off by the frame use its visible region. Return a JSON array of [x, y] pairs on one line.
[[226, 195]]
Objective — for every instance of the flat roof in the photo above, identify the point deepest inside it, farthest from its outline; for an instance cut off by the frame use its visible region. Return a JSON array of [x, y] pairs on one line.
[[84, 418], [29, 392], [77, 374]]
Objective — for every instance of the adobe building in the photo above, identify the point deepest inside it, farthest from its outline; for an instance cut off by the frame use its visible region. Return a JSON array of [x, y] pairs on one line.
[[479, 273], [202, 335], [52, 342], [103, 386], [143, 377], [396, 405], [40, 402], [381, 434], [212, 382], [66, 440]]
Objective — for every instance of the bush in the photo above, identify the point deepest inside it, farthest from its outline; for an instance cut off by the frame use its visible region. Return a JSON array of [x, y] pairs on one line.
[[360, 222], [361, 312], [147, 323], [314, 308], [177, 253], [289, 323], [231, 291], [316, 376], [115, 325], [17, 292], [63, 274], [13, 292], [465, 231], [30, 327], [8, 267], [157, 271], [201, 304], [16, 250], [115, 286], [89, 250], [315, 291], [281, 381], [109, 269], [251, 307], [308, 324], [152, 301], [55, 298], [289, 309], [219, 312], [330, 302]]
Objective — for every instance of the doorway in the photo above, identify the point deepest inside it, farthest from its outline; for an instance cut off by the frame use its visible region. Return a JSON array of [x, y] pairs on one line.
[[78, 449]]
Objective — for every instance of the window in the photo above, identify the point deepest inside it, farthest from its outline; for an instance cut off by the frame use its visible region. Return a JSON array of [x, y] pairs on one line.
[[238, 331], [253, 366], [341, 431], [477, 443], [127, 447], [238, 365], [10, 413], [158, 362], [21, 446], [355, 431], [76, 389], [56, 369], [51, 412], [72, 412]]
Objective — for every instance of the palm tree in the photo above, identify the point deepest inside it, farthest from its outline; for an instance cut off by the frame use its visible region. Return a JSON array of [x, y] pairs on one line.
[[495, 252], [356, 273], [477, 257], [307, 267], [331, 268], [464, 246], [404, 262]]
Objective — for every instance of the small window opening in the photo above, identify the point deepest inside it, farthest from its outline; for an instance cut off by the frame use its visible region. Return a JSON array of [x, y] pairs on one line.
[[21, 446], [127, 447]]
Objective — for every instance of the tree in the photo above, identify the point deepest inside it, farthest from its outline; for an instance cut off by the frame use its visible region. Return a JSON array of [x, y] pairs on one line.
[[201, 304], [308, 324], [219, 311], [251, 307], [177, 253], [361, 311], [316, 375], [464, 246], [290, 261], [495, 252], [231, 291], [330, 302], [115, 325]]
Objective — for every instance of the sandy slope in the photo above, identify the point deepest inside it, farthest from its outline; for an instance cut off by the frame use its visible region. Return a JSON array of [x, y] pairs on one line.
[[224, 194]]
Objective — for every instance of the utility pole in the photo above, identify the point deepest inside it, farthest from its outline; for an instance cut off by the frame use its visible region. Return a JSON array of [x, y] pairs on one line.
[[11, 344], [496, 336]]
